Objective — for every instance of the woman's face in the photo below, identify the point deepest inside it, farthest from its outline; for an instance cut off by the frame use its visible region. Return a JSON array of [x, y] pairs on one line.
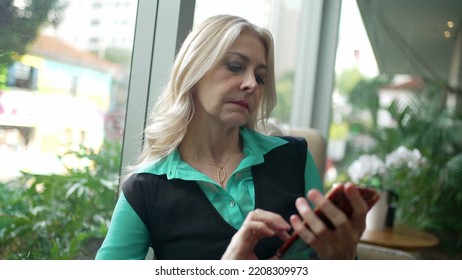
[[230, 93]]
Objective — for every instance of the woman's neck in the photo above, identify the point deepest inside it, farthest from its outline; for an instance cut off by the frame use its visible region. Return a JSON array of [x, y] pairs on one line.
[[210, 143]]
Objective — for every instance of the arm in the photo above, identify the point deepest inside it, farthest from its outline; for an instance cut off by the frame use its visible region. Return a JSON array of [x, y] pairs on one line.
[[127, 237]]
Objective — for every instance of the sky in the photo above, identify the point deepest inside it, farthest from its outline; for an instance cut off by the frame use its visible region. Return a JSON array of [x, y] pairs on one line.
[[253, 10], [353, 36]]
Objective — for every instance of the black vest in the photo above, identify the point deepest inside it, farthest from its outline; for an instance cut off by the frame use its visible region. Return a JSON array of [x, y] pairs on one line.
[[182, 222]]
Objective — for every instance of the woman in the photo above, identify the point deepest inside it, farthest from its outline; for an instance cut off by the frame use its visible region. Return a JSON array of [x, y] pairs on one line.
[[208, 185]]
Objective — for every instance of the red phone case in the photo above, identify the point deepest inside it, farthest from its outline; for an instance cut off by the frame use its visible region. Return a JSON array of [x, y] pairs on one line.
[[337, 196]]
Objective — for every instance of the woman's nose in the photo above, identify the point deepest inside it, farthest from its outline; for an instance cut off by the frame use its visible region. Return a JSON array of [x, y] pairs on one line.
[[249, 83]]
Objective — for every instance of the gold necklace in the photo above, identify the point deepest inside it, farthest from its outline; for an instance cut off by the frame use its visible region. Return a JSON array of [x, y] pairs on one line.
[[221, 173]]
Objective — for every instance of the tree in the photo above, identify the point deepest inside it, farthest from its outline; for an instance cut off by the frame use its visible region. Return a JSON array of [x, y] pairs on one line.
[[348, 79], [364, 96], [119, 56], [21, 24]]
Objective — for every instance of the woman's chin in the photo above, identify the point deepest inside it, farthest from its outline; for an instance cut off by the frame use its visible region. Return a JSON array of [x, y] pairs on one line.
[[236, 118], [238, 122]]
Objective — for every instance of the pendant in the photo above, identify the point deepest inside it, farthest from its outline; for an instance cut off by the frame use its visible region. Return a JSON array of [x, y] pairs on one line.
[[221, 175]]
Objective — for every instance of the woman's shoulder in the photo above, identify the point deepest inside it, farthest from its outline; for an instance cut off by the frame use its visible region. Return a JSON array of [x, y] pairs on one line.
[[272, 136], [295, 143], [297, 140], [137, 181]]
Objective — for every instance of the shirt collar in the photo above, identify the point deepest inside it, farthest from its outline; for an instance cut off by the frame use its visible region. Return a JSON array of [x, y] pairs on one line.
[[256, 145]]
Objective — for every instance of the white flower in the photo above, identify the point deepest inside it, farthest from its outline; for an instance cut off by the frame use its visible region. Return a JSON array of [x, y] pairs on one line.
[[366, 167], [370, 169], [402, 155]]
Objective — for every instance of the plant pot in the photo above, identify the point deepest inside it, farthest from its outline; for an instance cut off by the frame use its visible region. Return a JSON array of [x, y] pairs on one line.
[[377, 215]]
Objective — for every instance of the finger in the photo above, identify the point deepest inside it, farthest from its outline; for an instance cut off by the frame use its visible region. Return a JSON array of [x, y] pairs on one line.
[[283, 235], [271, 220], [304, 208], [260, 223], [303, 231], [354, 196], [255, 230], [331, 212], [312, 220], [358, 204]]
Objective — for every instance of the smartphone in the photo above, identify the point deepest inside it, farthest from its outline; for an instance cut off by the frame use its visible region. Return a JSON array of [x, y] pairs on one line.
[[338, 198]]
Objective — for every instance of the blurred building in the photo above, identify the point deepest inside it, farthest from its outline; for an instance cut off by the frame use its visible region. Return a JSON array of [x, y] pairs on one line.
[[97, 25], [57, 100]]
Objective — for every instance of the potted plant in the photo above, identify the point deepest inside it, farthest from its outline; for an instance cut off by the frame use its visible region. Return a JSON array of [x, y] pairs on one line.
[[434, 195], [382, 174]]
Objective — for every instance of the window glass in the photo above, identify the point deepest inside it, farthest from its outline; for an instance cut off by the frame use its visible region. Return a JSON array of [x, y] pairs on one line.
[[62, 108], [281, 17]]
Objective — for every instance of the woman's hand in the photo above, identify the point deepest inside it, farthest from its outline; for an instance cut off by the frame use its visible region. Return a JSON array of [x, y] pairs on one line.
[[258, 224], [331, 244]]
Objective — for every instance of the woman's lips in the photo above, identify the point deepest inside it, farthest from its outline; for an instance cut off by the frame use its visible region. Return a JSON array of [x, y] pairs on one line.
[[242, 104]]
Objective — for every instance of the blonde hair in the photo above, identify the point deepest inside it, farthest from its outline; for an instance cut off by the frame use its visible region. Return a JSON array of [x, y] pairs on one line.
[[202, 50]]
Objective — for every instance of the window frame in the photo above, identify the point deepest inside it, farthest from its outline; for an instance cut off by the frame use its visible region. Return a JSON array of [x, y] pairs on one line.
[[160, 28], [162, 25]]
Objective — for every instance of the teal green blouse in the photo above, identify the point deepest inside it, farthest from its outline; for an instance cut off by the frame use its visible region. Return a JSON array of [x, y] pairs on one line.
[[128, 237]]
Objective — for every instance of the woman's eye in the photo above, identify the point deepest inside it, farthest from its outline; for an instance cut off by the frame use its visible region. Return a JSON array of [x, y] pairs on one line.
[[259, 79], [235, 68]]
